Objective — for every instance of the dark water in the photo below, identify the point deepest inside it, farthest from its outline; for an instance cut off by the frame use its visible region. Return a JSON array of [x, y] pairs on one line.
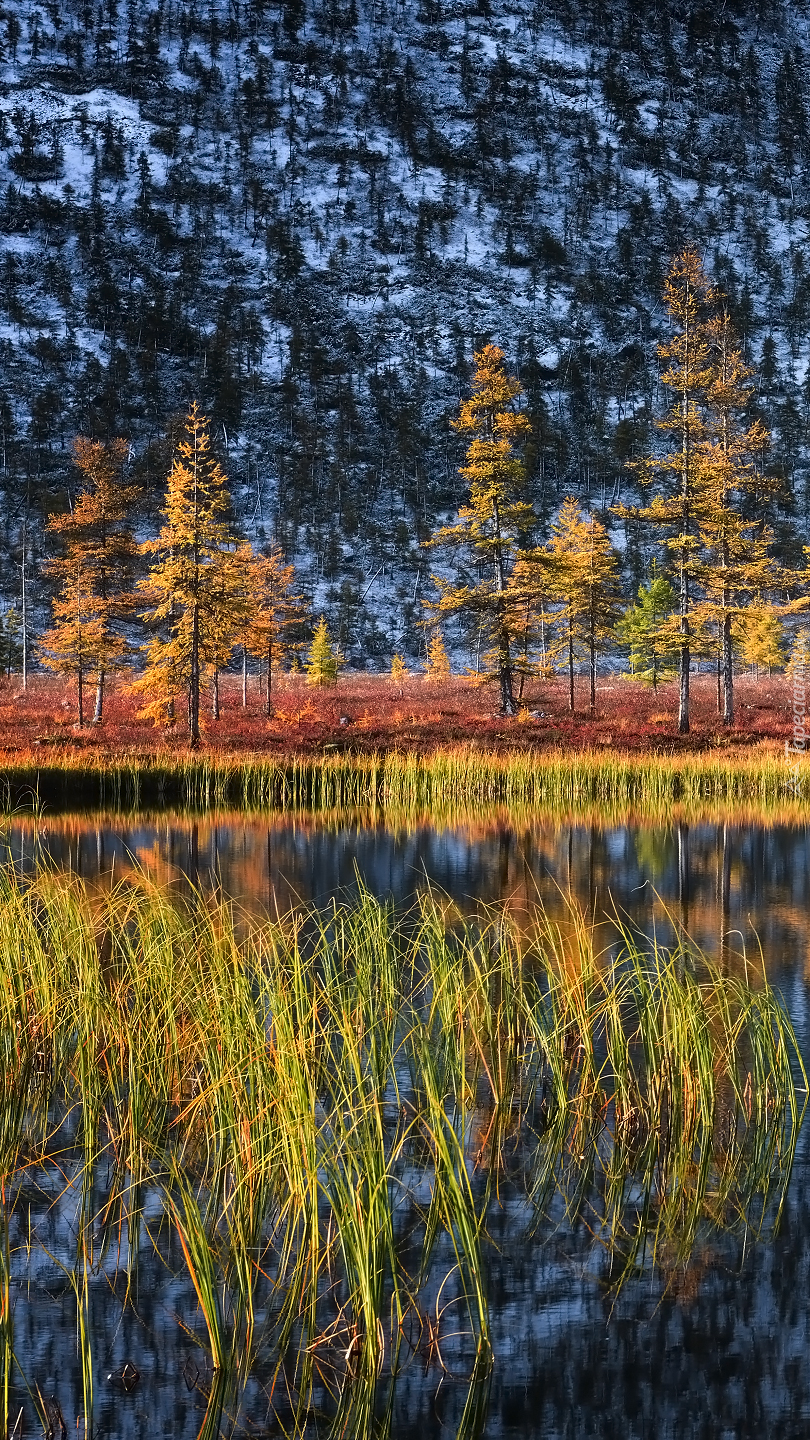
[[722, 1349]]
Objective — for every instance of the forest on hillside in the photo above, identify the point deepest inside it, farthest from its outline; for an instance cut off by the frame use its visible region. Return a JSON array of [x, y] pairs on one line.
[[308, 217], [718, 590]]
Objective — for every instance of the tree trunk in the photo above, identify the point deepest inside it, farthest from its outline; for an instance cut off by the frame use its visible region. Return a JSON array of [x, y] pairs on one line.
[[508, 706], [683, 696], [244, 677], [99, 706], [24, 620], [194, 682], [719, 684], [80, 678], [593, 673], [684, 655], [215, 694], [570, 666], [269, 676], [728, 673]]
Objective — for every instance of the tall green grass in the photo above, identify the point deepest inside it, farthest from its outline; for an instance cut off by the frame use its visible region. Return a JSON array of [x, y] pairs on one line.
[[409, 785], [332, 1106]]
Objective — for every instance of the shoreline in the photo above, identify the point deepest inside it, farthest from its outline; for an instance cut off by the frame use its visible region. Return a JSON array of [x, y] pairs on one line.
[[405, 782]]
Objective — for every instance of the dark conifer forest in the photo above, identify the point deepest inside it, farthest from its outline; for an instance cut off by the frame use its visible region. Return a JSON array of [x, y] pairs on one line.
[[307, 216]]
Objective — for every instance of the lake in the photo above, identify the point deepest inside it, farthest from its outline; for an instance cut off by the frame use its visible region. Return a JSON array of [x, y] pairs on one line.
[[713, 1345]]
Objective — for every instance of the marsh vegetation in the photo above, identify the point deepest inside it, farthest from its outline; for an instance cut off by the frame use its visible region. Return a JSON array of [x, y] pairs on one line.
[[319, 1124]]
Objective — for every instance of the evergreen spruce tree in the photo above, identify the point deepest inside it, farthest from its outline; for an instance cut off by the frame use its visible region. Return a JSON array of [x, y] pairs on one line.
[[10, 641], [799, 661], [185, 588], [651, 629], [492, 527], [93, 598], [323, 660]]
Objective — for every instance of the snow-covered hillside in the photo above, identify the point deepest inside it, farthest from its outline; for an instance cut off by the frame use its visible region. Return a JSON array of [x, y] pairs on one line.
[[308, 214]]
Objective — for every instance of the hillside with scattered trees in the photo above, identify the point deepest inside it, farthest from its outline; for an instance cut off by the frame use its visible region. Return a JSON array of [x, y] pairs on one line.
[[308, 218]]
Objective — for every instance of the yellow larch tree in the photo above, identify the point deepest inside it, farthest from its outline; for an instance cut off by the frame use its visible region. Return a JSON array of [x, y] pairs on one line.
[[186, 590], [437, 663], [93, 573], [232, 604], [584, 581], [761, 641], [491, 529], [736, 566], [687, 356], [274, 610]]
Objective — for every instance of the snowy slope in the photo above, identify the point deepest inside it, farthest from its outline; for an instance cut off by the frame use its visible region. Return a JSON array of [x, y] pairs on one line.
[[306, 215]]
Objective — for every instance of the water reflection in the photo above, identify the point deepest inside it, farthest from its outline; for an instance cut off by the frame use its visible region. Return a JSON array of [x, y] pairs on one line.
[[731, 886], [716, 1349]]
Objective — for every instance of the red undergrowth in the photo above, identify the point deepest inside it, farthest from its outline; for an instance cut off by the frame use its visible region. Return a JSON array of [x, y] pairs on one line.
[[366, 713]]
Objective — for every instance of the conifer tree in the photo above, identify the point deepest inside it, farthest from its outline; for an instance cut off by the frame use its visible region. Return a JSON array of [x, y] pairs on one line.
[[761, 641], [77, 639], [231, 603], [399, 672], [736, 565], [491, 528], [585, 583], [93, 597], [437, 665], [323, 660], [274, 609], [186, 588], [650, 628], [688, 297], [799, 660], [10, 641]]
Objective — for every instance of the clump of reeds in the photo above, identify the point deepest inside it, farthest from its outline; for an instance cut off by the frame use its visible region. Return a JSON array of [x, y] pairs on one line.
[[331, 1103]]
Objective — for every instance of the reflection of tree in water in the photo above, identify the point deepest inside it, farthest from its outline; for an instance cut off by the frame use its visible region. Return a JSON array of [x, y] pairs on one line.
[[728, 884]]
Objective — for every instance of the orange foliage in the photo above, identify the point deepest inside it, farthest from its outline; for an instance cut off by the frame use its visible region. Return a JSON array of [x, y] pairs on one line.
[[365, 713]]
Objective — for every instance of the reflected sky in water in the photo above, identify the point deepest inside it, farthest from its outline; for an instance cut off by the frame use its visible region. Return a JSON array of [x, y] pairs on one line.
[[725, 1351]]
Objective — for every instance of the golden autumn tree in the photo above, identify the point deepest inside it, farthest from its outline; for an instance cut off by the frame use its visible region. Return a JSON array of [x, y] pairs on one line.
[[688, 359], [274, 609], [93, 572], [584, 581], [490, 530], [323, 660], [187, 587], [231, 602], [437, 661], [761, 641], [736, 567]]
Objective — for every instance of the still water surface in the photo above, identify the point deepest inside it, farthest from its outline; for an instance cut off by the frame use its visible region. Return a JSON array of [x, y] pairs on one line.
[[723, 1351]]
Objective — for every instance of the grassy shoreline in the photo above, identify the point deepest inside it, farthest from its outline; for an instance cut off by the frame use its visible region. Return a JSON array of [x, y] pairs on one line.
[[408, 783]]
